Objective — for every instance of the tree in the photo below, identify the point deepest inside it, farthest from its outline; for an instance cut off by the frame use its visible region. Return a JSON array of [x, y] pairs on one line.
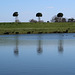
[[15, 14], [33, 21], [63, 19], [54, 19], [60, 15], [71, 20], [39, 15]]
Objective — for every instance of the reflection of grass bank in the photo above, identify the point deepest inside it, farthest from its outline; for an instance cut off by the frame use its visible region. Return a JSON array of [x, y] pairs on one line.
[[35, 28]]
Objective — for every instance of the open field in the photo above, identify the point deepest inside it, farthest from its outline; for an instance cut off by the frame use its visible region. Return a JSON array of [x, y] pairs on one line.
[[36, 28]]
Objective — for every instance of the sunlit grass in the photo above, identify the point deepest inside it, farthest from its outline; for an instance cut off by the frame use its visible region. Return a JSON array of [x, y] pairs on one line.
[[23, 28]]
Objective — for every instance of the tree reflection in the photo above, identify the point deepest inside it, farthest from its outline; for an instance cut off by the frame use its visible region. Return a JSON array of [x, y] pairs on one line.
[[39, 50], [16, 51], [60, 45]]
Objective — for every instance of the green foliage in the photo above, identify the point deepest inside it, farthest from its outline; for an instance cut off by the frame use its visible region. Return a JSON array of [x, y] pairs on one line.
[[60, 15], [15, 14], [39, 15]]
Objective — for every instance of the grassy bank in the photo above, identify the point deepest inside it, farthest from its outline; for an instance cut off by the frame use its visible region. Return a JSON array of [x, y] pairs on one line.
[[35, 28]]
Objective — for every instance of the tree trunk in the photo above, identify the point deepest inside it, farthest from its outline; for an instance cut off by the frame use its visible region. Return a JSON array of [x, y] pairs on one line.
[[16, 19], [38, 19]]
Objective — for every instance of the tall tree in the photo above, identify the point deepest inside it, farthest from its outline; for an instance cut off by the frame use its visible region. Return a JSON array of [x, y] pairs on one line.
[[39, 15], [15, 14], [60, 15]]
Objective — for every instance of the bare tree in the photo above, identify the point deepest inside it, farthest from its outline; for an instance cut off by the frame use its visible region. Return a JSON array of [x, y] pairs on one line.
[[33, 21]]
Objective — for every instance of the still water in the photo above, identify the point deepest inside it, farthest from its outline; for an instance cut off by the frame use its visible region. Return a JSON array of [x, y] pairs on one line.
[[37, 54]]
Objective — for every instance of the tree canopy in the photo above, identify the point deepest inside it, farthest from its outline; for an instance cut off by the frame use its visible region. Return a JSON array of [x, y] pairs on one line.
[[60, 15], [39, 15], [15, 14]]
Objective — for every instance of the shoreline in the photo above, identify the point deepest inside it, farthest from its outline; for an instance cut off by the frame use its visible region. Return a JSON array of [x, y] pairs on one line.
[[8, 33]]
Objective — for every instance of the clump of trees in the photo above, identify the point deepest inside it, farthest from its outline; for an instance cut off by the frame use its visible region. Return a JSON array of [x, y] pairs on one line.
[[71, 20], [58, 18]]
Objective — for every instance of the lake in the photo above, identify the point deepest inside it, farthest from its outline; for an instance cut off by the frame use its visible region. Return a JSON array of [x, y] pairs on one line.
[[37, 54]]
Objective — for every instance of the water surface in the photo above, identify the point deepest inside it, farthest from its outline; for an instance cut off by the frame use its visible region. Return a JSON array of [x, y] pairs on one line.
[[37, 54]]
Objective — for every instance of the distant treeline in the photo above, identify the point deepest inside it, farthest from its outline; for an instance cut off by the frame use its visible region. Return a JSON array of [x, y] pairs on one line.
[[58, 18]]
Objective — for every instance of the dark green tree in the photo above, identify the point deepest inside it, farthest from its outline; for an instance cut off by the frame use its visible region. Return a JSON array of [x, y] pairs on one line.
[[39, 15], [60, 15], [15, 14], [71, 20]]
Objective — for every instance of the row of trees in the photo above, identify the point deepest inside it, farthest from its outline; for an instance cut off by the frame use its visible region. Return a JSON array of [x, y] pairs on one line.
[[57, 18], [15, 14]]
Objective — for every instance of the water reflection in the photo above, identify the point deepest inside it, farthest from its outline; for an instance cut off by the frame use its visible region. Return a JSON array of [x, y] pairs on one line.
[[39, 50], [60, 44], [44, 41], [60, 47], [29, 63], [16, 51]]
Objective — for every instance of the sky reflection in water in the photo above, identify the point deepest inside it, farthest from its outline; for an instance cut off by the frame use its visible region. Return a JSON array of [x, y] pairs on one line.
[[37, 54]]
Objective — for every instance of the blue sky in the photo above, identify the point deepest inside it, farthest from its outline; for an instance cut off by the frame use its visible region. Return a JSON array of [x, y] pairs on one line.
[[28, 8]]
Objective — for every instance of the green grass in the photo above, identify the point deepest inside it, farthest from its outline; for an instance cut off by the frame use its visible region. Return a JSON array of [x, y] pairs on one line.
[[34, 28]]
